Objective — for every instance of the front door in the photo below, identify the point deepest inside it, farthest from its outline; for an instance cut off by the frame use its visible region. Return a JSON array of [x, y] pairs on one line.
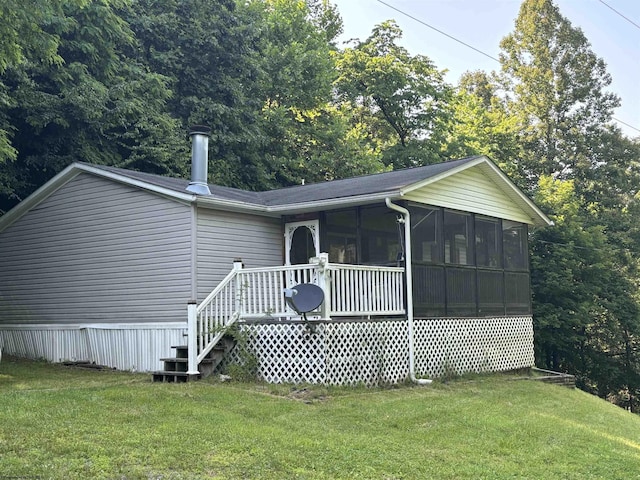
[[302, 241]]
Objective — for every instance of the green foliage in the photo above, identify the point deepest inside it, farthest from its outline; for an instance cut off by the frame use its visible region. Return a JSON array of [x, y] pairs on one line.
[[481, 125], [94, 105], [586, 314], [585, 268], [402, 99], [208, 52], [559, 88]]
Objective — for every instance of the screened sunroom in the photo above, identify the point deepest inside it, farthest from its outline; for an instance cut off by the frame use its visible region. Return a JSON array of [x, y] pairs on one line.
[[468, 265], [463, 264]]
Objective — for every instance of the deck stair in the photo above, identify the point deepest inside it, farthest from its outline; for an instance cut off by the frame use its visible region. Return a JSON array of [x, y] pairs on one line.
[[175, 368]]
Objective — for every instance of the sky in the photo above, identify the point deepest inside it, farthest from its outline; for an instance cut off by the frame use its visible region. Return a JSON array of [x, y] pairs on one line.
[[483, 23]]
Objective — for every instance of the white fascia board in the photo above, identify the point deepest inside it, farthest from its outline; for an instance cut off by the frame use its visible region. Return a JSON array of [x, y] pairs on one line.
[[278, 210], [538, 218], [184, 197], [38, 196], [337, 202], [230, 205]]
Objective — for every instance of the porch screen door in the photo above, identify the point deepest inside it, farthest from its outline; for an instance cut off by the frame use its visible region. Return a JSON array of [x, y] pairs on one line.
[[302, 241]]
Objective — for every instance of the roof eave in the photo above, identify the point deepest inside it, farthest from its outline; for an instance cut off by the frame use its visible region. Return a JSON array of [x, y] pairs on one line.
[[167, 192], [38, 196], [293, 208], [68, 174], [341, 202]]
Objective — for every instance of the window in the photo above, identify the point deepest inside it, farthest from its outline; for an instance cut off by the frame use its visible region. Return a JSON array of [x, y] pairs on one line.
[[514, 240], [380, 240], [518, 293], [426, 235], [461, 292], [429, 292], [488, 242], [458, 248], [490, 292], [468, 265], [341, 234], [463, 264]]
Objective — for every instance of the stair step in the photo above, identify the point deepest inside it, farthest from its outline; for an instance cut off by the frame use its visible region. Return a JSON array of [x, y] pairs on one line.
[[184, 360], [219, 346], [174, 377], [176, 367]]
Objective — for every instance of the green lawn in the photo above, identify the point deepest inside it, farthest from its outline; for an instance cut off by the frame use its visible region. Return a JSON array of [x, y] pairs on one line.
[[61, 422]]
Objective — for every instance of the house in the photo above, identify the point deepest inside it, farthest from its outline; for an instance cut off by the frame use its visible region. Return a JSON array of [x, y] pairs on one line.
[[116, 267]]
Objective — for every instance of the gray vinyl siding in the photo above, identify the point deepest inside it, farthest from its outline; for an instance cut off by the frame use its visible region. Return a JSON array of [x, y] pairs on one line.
[[97, 251], [223, 236]]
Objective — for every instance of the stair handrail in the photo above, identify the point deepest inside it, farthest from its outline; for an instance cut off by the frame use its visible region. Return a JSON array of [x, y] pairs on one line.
[[197, 350]]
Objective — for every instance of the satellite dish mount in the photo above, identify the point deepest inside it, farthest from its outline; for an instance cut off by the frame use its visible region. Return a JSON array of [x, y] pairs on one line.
[[304, 298]]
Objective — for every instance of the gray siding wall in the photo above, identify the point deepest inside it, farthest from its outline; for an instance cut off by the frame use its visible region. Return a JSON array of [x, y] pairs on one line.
[[97, 251], [223, 236]]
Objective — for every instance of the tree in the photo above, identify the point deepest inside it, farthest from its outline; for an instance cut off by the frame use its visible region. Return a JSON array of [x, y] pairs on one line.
[[87, 102], [481, 125], [209, 52], [307, 136], [559, 92], [585, 310], [402, 99], [23, 40], [584, 173]]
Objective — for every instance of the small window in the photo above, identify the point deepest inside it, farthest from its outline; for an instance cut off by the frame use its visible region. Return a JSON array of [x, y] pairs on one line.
[[426, 235], [518, 293], [341, 232], [514, 244], [429, 296], [458, 249], [490, 293], [488, 243], [380, 238]]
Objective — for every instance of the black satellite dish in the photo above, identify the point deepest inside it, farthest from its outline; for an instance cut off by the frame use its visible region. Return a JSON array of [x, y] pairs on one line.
[[304, 297]]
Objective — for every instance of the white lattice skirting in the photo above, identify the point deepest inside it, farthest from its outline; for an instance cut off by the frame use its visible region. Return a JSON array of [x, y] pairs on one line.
[[377, 352]]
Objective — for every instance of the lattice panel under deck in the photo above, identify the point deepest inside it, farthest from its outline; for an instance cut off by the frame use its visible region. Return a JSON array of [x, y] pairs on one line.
[[460, 345], [370, 353], [376, 352], [288, 353]]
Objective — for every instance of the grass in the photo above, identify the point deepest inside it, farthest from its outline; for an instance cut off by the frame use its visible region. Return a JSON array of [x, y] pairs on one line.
[[62, 422]]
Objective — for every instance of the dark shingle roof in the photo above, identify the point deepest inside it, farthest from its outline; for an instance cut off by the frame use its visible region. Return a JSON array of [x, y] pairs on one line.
[[315, 192]]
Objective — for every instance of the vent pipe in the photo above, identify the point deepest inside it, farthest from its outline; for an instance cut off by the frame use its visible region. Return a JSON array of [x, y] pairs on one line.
[[199, 159]]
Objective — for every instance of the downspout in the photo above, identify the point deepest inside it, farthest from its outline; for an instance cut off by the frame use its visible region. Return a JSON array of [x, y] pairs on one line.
[[409, 281]]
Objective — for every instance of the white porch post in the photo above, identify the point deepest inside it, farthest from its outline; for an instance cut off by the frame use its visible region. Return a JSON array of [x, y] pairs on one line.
[[192, 336], [237, 267], [324, 282]]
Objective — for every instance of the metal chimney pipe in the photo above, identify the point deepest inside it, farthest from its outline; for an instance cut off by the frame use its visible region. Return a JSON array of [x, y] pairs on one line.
[[199, 159]]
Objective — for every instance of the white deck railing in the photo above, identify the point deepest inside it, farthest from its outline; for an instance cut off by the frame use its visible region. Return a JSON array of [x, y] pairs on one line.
[[251, 293], [366, 290], [261, 289]]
